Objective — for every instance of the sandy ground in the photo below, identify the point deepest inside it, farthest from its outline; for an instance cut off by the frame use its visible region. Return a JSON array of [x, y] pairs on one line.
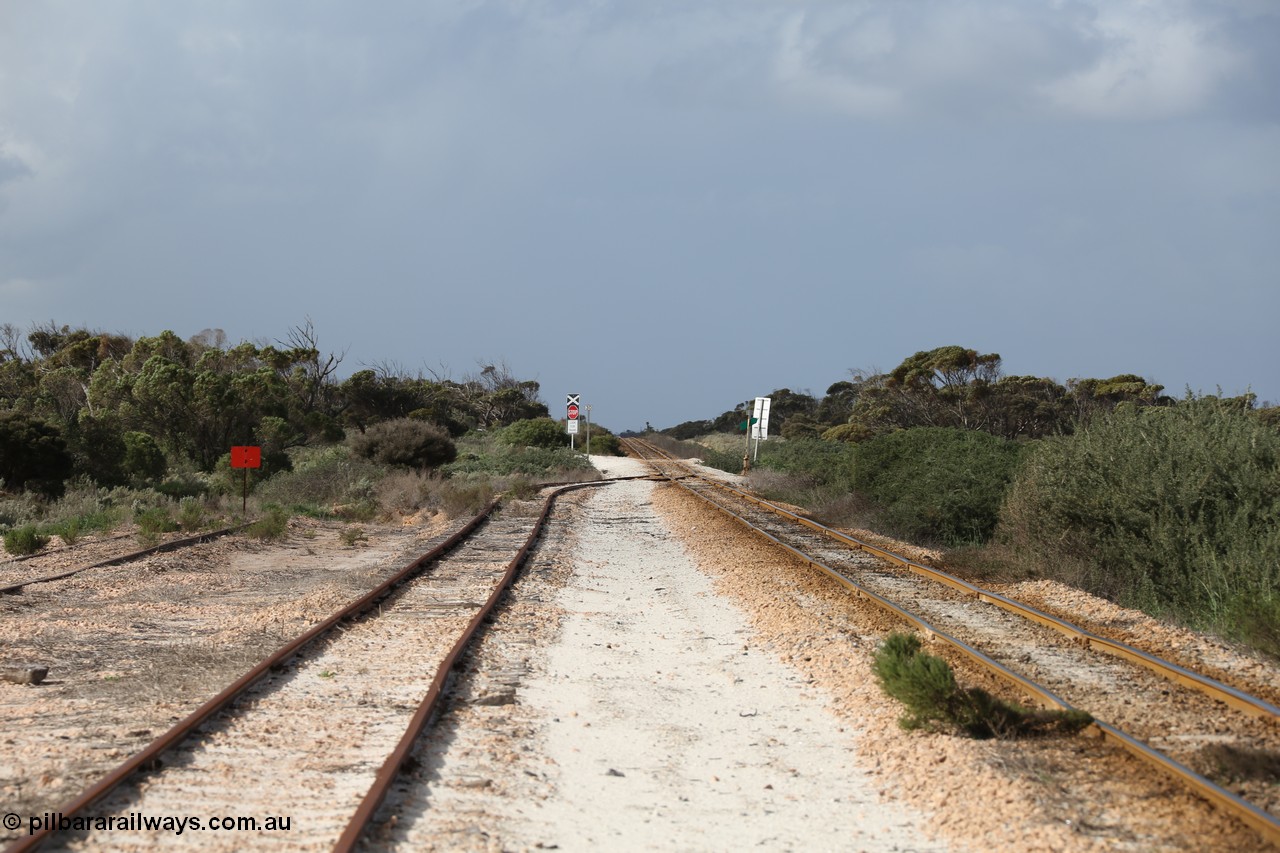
[[650, 720], [658, 680]]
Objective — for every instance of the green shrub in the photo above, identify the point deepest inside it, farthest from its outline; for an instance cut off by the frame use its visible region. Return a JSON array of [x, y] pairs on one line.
[[602, 443], [927, 687], [144, 461], [1175, 510], [825, 463], [534, 432], [406, 442], [330, 478], [68, 531], [153, 522], [352, 535], [33, 454], [191, 514], [180, 488], [937, 483], [530, 461], [24, 540], [723, 460], [272, 525]]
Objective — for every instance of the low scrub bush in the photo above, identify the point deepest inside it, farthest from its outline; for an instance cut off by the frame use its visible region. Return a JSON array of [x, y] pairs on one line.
[[153, 522], [403, 491], [534, 432], [24, 540], [68, 531], [460, 496], [723, 460], [501, 461], [937, 483], [406, 442], [191, 514], [272, 525], [352, 535], [827, 464], [1174, 510], [322, 483], [927, 687]]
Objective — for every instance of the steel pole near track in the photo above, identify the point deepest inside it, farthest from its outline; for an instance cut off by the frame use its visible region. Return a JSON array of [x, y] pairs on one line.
[[588, 429], [746, 452]]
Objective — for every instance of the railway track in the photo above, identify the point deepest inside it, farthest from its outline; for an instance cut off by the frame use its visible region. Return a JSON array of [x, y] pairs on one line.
[[1055, 663], [318, 731], [13, 586]]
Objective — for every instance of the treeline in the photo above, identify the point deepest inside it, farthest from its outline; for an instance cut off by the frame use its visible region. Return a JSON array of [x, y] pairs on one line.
[[949, 387], [120, 411], [1168, 504]]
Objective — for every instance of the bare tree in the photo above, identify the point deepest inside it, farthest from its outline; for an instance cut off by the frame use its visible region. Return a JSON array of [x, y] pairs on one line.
[[316, 369]]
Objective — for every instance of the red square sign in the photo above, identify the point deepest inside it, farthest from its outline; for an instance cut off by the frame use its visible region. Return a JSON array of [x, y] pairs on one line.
[[246, 457]]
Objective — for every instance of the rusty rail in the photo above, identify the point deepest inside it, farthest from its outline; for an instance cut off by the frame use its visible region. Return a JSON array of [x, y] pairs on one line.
[[1267, 825], [390, 769], [183, 728], [126, 558]]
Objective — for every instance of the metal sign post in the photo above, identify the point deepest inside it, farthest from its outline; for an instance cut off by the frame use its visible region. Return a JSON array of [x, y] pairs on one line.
[[571, 416], [588, 429], [760, 423], [245, 457]]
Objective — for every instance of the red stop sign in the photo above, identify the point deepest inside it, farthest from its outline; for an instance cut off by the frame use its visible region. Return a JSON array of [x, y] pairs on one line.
[[573, 412]]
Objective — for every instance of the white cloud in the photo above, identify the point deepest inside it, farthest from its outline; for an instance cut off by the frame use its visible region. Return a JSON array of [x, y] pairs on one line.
[[1153, 64], [799, 74]]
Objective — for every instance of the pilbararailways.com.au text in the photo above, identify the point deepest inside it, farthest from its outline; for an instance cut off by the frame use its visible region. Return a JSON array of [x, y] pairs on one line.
[[140, 822]]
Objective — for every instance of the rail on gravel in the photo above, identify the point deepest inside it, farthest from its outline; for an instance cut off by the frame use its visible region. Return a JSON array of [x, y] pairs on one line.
[[391, 767], [164, 547], [181, 730], [390, 770], [1261, 821]]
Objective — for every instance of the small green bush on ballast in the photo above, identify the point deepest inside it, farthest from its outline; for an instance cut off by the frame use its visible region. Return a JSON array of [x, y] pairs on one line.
[[927, 686]]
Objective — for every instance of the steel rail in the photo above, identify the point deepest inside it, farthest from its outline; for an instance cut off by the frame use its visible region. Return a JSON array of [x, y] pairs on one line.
[[149, 754], [390, 770], [1267, 825], [22, 558], [125, 558], [1225, 693]]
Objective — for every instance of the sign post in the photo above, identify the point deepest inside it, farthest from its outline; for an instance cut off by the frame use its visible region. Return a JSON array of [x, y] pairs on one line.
[[760, 423], [571, 416], [245, 457]]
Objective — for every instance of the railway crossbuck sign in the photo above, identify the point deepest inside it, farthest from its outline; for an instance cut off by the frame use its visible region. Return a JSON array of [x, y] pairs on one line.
[[571, 422]]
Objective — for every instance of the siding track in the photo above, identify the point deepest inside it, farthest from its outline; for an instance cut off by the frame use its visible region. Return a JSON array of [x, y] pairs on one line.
[[311, 731], [15, 587]]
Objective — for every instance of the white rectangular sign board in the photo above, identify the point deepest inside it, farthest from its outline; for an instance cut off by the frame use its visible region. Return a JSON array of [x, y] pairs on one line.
[[573, 427], [760, 429]]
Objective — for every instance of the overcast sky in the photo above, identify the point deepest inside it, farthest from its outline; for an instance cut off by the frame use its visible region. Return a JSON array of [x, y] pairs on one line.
[[667, 207]]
